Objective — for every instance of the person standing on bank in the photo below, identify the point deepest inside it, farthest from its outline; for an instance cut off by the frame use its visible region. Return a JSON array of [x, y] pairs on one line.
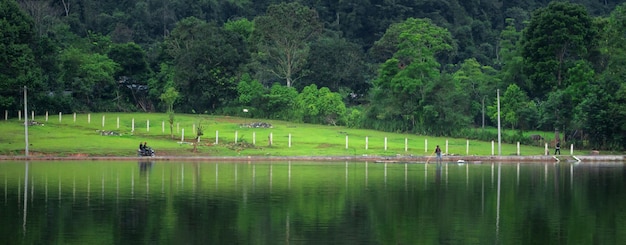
[[557, 148], [438, 152]]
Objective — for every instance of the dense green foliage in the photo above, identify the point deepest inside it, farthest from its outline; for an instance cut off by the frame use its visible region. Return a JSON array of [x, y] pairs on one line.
[[425, 67]]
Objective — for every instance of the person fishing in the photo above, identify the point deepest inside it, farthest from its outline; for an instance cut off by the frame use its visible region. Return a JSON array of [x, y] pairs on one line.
[[557, 148], [438, 152]]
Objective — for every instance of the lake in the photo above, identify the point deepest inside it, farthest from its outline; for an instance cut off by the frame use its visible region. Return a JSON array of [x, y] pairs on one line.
[[161, 202]]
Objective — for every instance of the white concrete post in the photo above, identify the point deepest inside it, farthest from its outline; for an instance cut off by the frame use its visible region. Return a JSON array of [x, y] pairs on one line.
[[177, 127], [19, 115], [467, 147], [425, 145], [182, 136], [46, 116], [194, 129], [254, 138], [518, 149], [385, 143], [271, 138], [217, 137], [493, 148], [571, 149], [117, 122], [60, 116], [89, 118], [103, 121], [346, 142], [162, 127], [6, 115], [546, 150], [366, 142], [32, 115], [446, 147], [74, 117], [148, 125], [406, 144], [289, 140], [132, 125], [236, 133]]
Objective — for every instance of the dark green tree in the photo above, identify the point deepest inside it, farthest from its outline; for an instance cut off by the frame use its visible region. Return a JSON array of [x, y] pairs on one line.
[[18, 67], [206, 59], [556, 37]]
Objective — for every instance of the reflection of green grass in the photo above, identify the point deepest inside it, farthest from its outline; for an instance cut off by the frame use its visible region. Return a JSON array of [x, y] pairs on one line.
[[70, 137]]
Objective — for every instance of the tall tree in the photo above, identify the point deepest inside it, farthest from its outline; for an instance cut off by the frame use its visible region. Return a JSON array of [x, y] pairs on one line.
[[17, 62], [90, 77], [406, 94], [556, 37], [284, 35], [206, 59], [340, 65]]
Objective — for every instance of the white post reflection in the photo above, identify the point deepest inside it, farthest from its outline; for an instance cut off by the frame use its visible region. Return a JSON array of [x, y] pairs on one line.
[[74, 189], [482, 193], [253, 177], [498, 204], [492, 174], [271, 176], [571, 176], [163, 181], [425, 175], [25, 196], [102, 197], [346, 175], [59, 188], [466, 176], [32, 189], [147, 183], [5, 189], [518, 168], [289, 177], [366, 173], [132, 183], [406, 176], [46, 188], [447, 175], [88, 189], [546, 174], [217, 176], [182, 176], [117, 188], [385, 174]]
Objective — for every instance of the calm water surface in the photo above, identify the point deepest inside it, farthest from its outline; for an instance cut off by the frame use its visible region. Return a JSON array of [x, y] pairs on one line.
[[311, 203]]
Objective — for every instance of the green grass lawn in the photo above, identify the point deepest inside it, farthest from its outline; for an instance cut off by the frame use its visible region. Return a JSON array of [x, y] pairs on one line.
[[69, 136]]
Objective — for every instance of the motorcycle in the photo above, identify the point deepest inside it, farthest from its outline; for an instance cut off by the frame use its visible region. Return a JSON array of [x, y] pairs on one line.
[[146, 152]]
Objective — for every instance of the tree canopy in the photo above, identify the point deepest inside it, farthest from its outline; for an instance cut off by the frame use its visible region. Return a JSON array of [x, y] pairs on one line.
[[425, 67]]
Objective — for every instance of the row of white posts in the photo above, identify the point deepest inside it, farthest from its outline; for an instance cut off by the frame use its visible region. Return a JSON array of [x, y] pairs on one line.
[[270, 137]]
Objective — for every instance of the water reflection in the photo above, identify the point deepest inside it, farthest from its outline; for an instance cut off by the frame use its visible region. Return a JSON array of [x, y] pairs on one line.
[[320, 203]]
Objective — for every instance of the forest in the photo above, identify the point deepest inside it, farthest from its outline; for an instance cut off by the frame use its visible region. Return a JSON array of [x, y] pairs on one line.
[[415, 66]]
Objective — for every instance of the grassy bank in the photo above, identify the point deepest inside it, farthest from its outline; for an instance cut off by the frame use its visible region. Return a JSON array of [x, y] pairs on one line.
[[82, 135]]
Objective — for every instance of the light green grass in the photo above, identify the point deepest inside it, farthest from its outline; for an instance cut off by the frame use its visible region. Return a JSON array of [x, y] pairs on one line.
[[68, 137]]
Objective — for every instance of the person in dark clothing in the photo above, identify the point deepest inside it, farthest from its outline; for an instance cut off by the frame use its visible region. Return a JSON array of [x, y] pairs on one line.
[[438, 152], [557, 148]]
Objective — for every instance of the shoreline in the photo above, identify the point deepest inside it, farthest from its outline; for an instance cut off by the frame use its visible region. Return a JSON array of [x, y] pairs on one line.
[[381, 159]]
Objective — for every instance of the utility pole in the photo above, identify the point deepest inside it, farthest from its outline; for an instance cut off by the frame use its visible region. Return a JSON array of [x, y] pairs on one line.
[[25, 122], [499, 128]]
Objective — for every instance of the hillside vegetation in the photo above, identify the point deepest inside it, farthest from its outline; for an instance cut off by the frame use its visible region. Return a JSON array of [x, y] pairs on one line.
[[89, 138], [421, 67]]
